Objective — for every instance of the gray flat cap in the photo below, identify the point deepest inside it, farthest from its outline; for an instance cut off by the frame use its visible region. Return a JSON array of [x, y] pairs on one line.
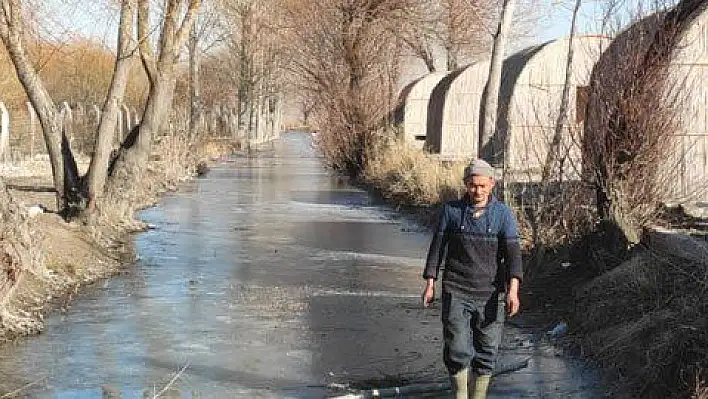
[[478, 167]]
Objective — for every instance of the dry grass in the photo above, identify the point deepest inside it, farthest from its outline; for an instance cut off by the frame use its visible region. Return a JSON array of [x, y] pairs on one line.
[[701, 388], [177, 161], [40, 257], [25, 275], [19, 259], [66, 258], [215, 148], [409, 176], [647, 319]]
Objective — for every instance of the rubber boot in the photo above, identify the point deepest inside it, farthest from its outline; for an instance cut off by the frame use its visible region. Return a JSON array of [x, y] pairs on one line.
[[481, 385], [459, 383]]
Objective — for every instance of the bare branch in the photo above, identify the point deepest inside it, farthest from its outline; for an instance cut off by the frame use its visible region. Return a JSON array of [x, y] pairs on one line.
[[144, 42], [187, 22]]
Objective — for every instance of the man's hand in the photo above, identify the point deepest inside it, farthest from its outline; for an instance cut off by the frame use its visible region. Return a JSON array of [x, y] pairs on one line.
[[512, 297], [429, 293]]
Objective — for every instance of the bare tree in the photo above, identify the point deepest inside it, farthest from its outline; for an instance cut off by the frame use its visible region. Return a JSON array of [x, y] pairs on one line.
[[208, 31], [254, 61], [463, 31], [246, 41], [457, 27], [160, 66], [195, 57], [12, 35], [562, 120], [490, 100], [418, 29], [632, 122], [548, 212], [343, 59], [136, 148], [98, 168]]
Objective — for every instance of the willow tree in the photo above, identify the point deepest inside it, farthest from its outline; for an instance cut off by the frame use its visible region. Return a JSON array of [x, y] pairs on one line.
[[209, 31], [159, 61], [12, 26], [98, 168], [343, 59], [462, 29], [456, 27]]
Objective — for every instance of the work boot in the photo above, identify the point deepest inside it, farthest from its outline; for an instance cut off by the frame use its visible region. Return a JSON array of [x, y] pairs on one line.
[[459, 383], [481, 385]]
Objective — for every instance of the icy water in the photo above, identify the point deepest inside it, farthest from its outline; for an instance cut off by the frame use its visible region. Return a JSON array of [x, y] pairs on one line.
[[270, 277]]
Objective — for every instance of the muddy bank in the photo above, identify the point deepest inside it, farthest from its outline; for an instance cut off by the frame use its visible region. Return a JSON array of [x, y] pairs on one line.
[[69, 258], [647, 318], [47, 260]]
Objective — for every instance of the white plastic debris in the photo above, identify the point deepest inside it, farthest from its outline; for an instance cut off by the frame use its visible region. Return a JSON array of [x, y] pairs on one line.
[[559, 330], [35, 210]]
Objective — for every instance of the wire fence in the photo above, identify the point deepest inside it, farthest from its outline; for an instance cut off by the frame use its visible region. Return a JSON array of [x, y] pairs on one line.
[[21, 135]]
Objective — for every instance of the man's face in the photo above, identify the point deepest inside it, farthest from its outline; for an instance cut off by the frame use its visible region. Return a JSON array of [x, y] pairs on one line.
[[479, 188]]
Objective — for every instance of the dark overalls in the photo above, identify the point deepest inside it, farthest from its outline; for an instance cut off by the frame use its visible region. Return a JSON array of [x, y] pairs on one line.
[[483, 254]]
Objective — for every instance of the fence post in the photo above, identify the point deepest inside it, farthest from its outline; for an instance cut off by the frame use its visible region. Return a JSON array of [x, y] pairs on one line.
[[278, 117], [4, 133], [32, 126], [79, 112], [96, 111], [127, 122], [224, 122], [233, 124], [119, 127], [136, 117], [202, 126]]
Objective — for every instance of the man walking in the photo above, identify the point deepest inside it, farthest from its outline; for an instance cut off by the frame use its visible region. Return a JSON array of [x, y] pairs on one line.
[[480, 282]]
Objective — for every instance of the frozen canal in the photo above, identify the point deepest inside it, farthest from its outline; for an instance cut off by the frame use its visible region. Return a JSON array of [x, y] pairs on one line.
[[267, 278]]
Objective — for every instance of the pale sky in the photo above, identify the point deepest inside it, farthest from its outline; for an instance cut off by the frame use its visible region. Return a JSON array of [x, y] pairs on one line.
[[64, 18], [549, 18], [557, 22]]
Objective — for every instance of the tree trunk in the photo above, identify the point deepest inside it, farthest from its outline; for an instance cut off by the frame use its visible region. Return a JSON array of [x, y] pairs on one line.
[[430, 64], [617, 223], [535, 214], [194, 82], [98, 169], [490, 102], [11, 28], [562, 120], [135, 149], [245, 84], [4, 133]]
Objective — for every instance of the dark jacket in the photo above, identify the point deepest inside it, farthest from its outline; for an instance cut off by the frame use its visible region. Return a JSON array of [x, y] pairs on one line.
[[482, 254]]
